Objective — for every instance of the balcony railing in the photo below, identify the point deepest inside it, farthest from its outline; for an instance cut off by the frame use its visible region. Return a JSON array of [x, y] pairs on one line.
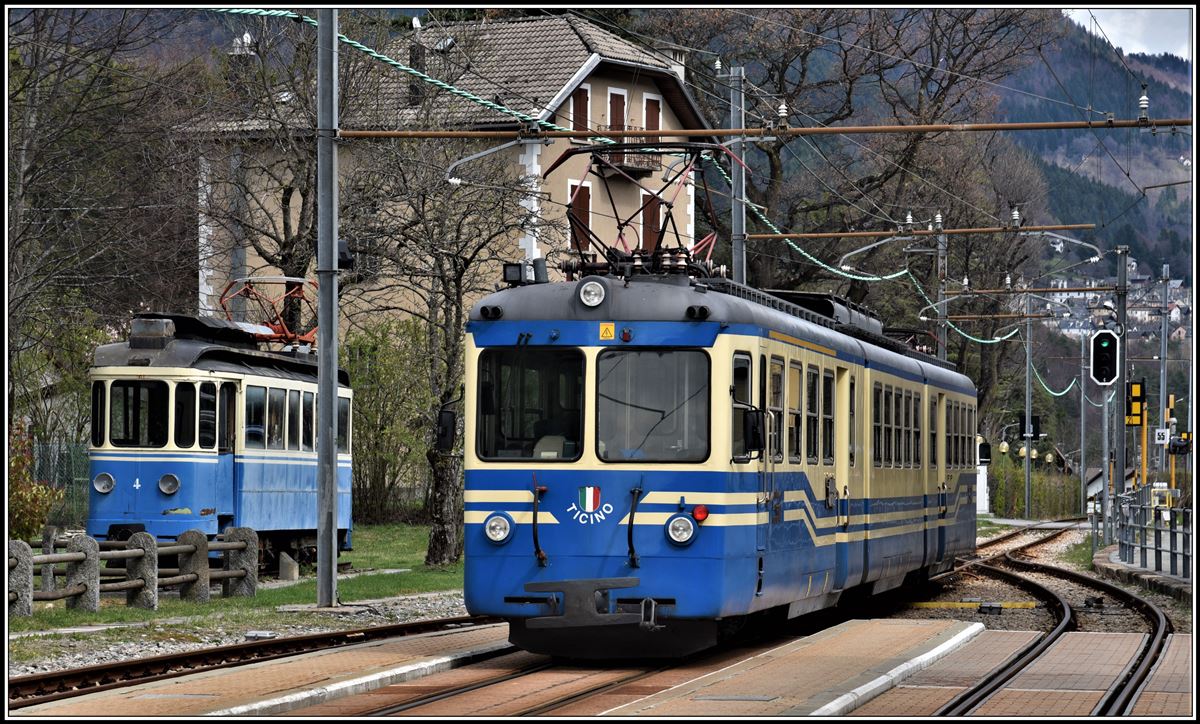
[[637, 162]]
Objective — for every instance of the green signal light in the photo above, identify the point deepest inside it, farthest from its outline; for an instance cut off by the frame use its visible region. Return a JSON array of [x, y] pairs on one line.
[[1104, 342]]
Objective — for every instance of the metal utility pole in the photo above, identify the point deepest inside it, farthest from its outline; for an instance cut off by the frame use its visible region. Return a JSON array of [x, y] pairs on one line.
[[941, 272], [1083, 375], [1162, 361], [737, 111], [1028, 405], [1122, 293], [327, 310]]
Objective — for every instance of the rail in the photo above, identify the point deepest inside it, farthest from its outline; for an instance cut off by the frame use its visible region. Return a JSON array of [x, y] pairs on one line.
[[1142, 524], [142, 576]]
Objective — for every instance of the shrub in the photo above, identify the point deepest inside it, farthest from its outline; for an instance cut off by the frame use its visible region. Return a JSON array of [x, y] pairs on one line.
[[29, 501]]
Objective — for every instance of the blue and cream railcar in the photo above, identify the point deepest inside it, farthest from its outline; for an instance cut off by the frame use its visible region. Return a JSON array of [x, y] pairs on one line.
[[195, 427], [618, 500]]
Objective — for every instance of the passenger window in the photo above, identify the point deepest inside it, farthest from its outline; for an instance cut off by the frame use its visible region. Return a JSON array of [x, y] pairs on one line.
[[343, 425], [827, 417], [887, 426], [138, 417], [185, 414], [908, 429], [952, 434], [897, 427], [775, 405], [852, 405], [276, 405], [741, 401], [933, 413], [877, 420], [795, 454], [306, 438], [917, 410], [256, 416], [813, 437], [208, 415], [98, 413], [293, 418], [226, 417]]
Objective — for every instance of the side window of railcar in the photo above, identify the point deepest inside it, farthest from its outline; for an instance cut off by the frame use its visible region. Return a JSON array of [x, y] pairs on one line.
[[917, 410], [887, 426], [276, 404], [256, 417], [741, 400], [813, 432], [306, 441], [972, 432], [908, 429], [827, 418], [98, 408], [343, 425], [139, 413], [208, 415], [877, 424], [775, 400], [933, 413], [952, 434], [293, 417], [853, 403], [185, 414], [795, 414], [227, 418], [897, 426]]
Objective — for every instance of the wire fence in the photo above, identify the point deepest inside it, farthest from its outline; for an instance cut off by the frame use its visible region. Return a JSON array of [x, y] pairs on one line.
[[64, 466]]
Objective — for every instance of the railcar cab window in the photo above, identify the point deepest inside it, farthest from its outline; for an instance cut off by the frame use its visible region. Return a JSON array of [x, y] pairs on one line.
[[98, 408], [138, 417], [813, 434], [652, 405], [530, 404], [208, 415], [776, 408]]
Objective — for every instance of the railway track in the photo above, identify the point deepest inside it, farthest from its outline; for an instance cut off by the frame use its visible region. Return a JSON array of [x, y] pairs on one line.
[[24, 691], [1119, 700]]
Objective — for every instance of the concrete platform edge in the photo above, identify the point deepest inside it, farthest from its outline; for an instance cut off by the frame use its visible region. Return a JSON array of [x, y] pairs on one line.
[[359, 685], [858, 696], [1149, 580]]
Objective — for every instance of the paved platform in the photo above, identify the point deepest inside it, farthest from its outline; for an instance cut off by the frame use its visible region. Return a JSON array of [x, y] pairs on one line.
[[826, 674], [1168, 691], [1108, 563], [270, 687]]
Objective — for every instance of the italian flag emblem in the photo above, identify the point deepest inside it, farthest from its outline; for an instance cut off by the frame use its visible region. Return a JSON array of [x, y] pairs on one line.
[[589, 498]]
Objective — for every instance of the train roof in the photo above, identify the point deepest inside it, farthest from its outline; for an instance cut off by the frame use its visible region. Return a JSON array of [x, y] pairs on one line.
[[206, 343], [667, 298]]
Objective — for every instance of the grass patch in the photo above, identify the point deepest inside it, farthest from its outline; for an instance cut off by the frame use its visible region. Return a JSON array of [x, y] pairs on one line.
[[986, 528], [1080, 554], [375, 547]]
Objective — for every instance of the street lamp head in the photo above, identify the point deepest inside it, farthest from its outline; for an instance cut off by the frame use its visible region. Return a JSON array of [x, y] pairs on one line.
[[1004, 447]]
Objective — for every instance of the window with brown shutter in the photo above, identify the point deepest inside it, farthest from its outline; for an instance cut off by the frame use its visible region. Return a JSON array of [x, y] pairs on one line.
[[579, 109], [653, 113], [581, 204], [651, 222]]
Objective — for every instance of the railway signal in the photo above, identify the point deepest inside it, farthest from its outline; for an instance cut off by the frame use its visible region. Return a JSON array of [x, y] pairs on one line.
[[1106, 357]]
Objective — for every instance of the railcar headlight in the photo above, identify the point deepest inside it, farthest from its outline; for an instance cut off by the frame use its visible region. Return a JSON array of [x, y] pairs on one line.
[[103, 483], [168, 484], [681, 529], [497, 528], [591, 293]]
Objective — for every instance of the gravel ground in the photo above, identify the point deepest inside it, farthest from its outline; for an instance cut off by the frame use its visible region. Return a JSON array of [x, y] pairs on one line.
[[76, 650]]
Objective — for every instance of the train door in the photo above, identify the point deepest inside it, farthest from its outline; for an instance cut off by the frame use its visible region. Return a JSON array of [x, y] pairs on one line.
[[836, 443], [227, 477], [936, 488], [766, 462]]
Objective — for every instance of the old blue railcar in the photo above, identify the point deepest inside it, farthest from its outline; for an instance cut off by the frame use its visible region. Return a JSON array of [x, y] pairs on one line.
[[194, 426]]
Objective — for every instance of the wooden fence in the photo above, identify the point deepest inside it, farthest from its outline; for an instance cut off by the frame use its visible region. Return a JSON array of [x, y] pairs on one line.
[[141, 578]]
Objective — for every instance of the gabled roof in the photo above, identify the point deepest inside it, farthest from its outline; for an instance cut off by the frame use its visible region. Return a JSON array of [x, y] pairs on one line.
[[530, 65]]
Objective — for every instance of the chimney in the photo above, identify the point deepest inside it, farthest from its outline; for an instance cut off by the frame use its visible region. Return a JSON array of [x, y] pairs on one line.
[[677, 57], [240, 74]]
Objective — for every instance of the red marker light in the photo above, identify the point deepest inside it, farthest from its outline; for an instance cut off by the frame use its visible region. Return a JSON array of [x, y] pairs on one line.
[[626, 334], [700, 512]]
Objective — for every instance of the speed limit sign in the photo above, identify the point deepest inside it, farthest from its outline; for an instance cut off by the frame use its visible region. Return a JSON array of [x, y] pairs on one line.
[[1162, 435]]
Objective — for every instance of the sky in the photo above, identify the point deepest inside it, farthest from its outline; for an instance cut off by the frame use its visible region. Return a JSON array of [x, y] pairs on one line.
[[1143, 30]]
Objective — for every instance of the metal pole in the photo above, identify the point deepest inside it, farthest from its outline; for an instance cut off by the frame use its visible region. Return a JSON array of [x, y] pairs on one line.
[[1122, 356], [737, 110], [1104, 472], [327, 311], [1162, 363], [1028, 407], [1083, 375], [941, 272]]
